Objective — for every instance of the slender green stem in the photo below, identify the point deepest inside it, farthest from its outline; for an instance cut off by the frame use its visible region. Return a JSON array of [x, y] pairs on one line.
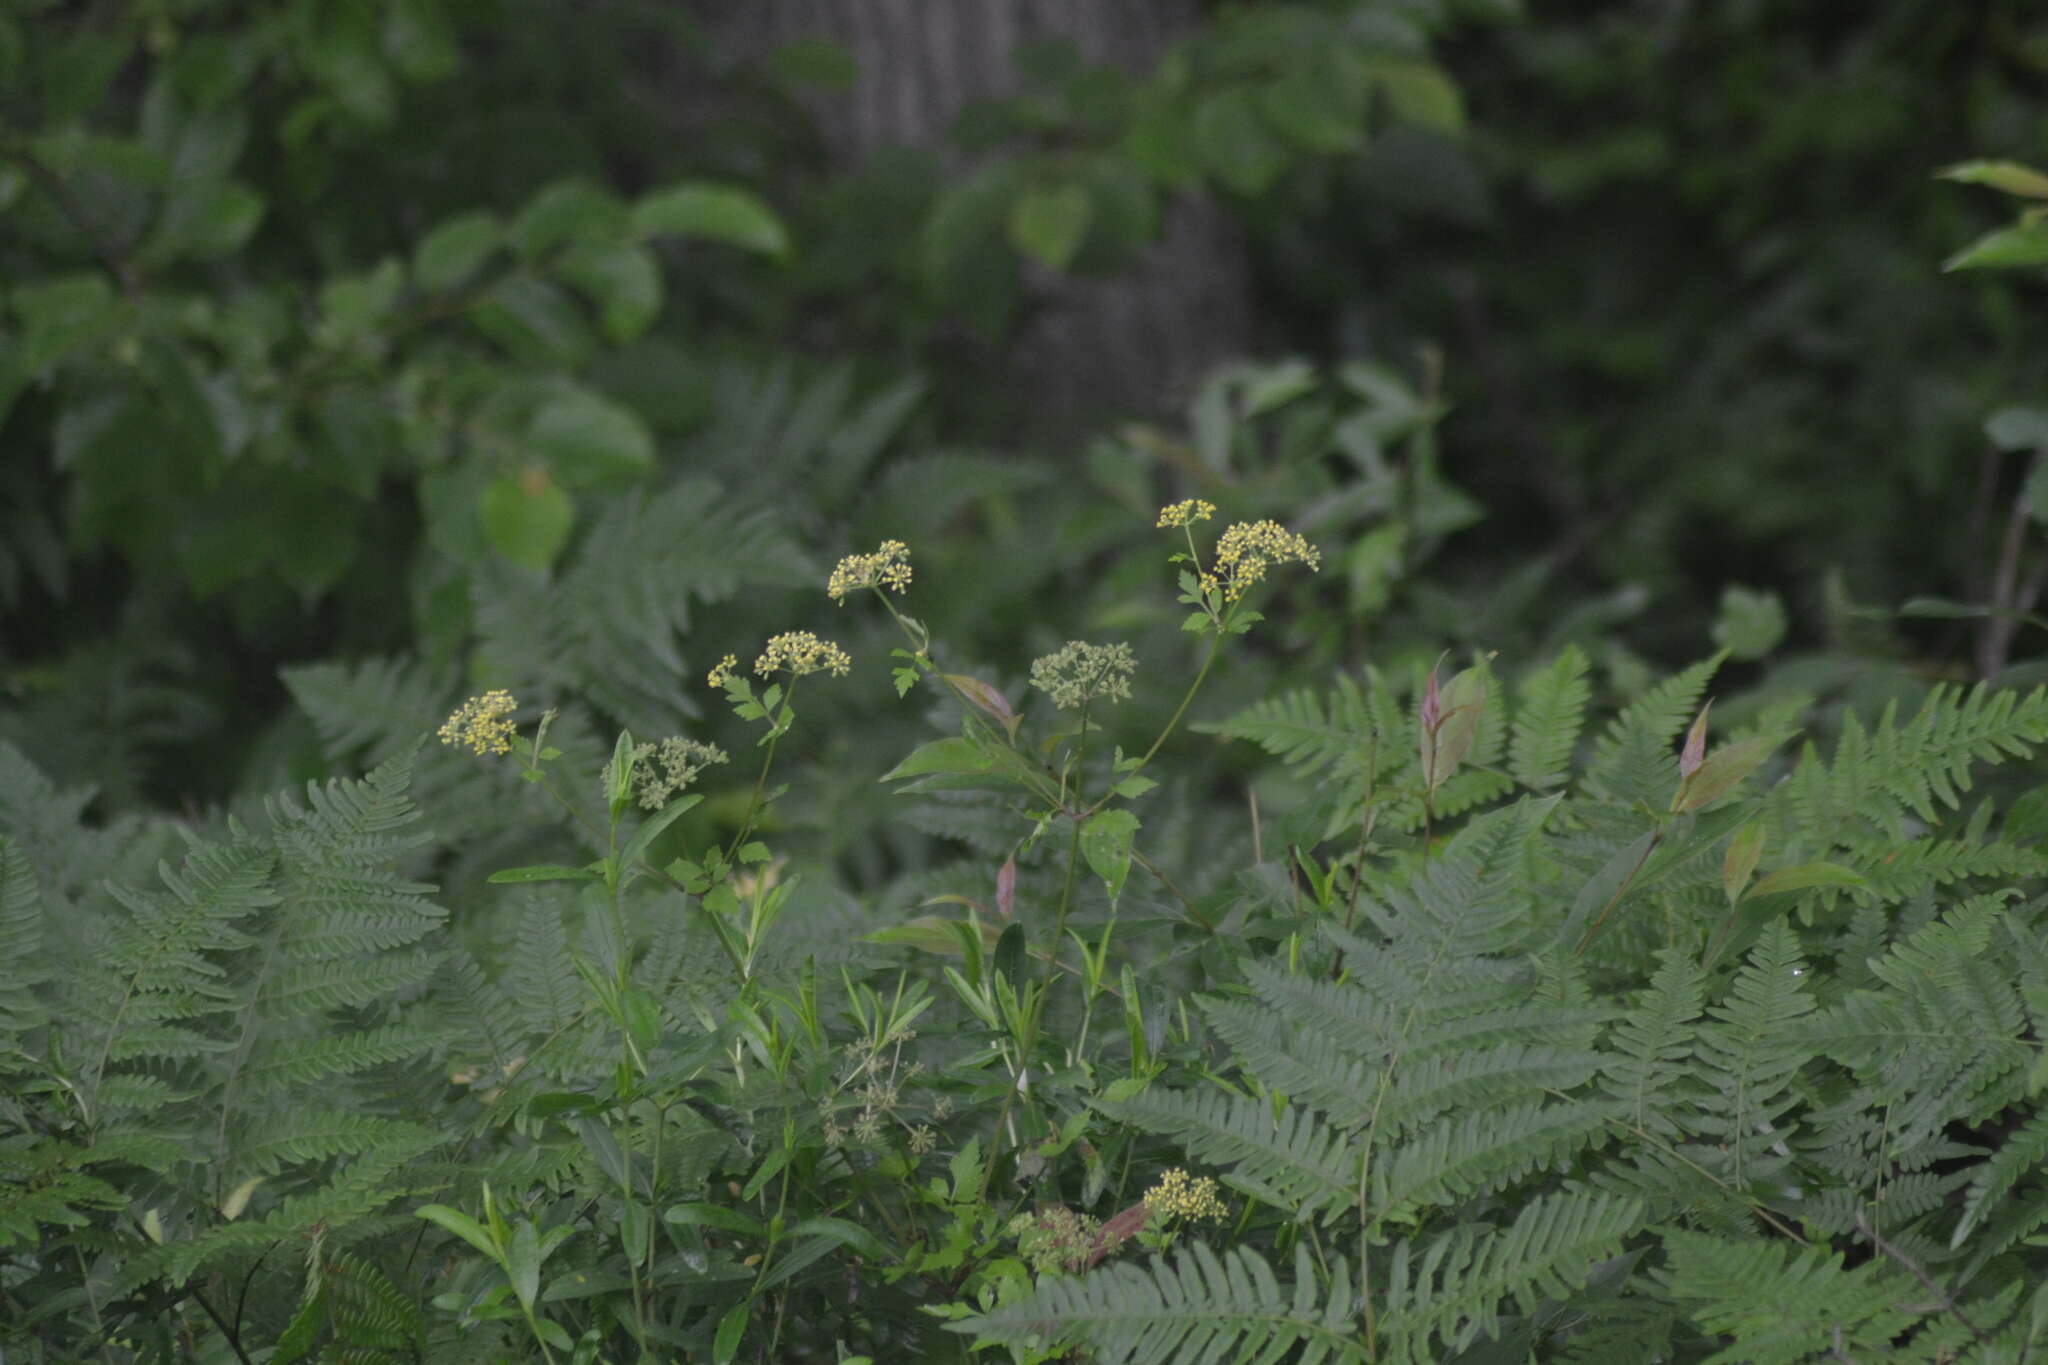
[[1594, 929], [1037, 1016], [1173, 722]]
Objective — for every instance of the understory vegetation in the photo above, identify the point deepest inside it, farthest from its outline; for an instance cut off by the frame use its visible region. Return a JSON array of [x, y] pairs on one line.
[[632, 730]]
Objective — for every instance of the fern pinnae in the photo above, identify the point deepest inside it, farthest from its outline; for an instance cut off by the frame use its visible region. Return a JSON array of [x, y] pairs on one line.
[[1292, 1159], [1549, 714]]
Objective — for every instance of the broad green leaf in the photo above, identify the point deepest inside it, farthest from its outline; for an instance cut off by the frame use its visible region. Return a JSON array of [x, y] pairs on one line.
[[641, 1016], [1106, 843], [2018, 428], [732, 1328], [522, 1262], [621, 280], [715, 213], [651, 828], [932, 934], [1050, 223], [463, 1226], [1234, 144], [715, 1216], [452, 252], [566, 211], [1421, 94], [1301, 107], [356, 305], [605, 1150], [64, 312], [544, 872], [535, 321], [1807, 875], [2023, 244], [587, 438], [527, 520], [1722, 772], [954, 755], [2009, 176], [1750, 623], [1738, 865]]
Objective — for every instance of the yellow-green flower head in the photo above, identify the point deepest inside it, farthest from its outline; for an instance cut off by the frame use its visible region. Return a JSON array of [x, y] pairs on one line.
[[801, 652], [887, 567], [1179, 1195], [1082, 672], [1249, 548], [483, 723], [723, 670], [1186, 513]]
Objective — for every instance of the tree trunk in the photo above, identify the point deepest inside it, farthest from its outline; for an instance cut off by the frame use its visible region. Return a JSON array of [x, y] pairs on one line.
[[1121, 344]]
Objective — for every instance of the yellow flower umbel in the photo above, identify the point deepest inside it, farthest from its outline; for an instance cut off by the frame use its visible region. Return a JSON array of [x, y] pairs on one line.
[[1248, 549], [800, 652], [1180, 1195], [724, 669], [1186, 513], [887, 567], [483, 723]]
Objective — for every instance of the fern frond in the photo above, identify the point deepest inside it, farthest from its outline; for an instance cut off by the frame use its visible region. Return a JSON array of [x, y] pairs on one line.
[[1548, 717], [1654, 1042], [1467, 1154], [1750, 1050], [1636, 760], [21, 946], [1451, 1288], [1196, 1310], [1785, 1304], [1293, 1161]]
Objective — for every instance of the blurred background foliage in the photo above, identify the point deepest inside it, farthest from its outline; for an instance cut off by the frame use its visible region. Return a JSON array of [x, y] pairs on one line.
[[356, 354]]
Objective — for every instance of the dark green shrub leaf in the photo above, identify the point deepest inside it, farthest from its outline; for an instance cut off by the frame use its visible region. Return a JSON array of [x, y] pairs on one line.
[[1050, 224], [451, 253], [2004, 248], [527, 520], [587, 438], [713, 213], [569, 210]]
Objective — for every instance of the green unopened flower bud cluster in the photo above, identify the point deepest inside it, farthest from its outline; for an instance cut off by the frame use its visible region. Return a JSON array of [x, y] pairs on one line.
[[1081, 673]]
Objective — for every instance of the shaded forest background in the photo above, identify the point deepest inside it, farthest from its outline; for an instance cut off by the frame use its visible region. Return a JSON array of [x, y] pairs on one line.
[[494, 342]]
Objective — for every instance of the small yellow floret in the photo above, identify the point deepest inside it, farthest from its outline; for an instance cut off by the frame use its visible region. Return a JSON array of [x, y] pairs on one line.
[[1249, 548], [801, 652], [1179, 1195], [1186, 512], [723, 670], [887, 567], [484, 723]]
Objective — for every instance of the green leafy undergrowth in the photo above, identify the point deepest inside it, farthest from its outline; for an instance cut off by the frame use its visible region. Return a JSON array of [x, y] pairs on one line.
[[1504, 1028]]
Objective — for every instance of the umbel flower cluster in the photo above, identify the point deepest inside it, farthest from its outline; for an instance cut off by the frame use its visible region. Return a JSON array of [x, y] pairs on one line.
[[483, 723], [1248, 549], [1180, 1195], [888, 567]]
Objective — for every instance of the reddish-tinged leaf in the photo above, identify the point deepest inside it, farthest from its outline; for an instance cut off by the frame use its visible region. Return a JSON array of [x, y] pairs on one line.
[[1006, 888], [1695, 751], [987, 699]]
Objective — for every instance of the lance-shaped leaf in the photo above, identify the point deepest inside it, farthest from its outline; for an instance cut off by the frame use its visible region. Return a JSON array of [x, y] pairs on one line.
[[1721, 773], [1738, 865], [988, 700], [1450, 722]]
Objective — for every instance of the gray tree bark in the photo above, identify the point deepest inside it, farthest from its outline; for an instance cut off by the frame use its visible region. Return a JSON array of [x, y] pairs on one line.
[[1127, 343]]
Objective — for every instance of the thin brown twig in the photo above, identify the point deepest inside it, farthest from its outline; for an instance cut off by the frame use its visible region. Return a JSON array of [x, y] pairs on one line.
[[1942, 1296]]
